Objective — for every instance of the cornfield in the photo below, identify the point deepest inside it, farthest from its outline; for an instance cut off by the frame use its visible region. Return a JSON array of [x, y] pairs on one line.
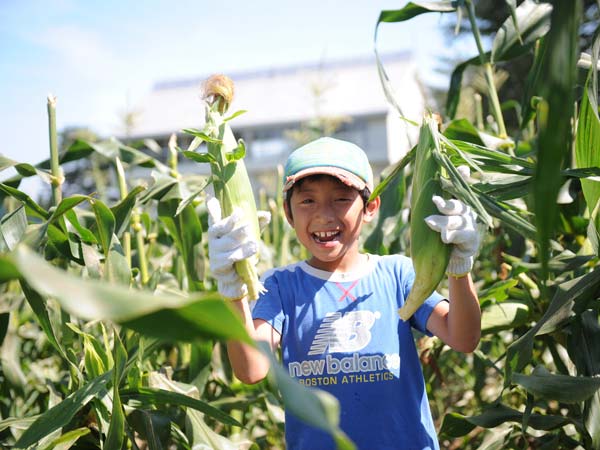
[[112, 333]]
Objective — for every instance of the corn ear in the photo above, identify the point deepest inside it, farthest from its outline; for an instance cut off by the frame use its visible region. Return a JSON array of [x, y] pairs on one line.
[[429, 254], [230, 179]]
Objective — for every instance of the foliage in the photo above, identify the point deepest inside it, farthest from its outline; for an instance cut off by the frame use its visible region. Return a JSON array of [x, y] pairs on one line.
[[534, 382], [111, 330]]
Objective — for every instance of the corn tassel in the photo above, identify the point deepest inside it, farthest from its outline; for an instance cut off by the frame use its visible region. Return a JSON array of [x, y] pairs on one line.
[[230, 179], [429, 254]]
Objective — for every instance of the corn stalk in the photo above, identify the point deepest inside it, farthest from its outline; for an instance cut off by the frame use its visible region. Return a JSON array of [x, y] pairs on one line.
[[230, 179]]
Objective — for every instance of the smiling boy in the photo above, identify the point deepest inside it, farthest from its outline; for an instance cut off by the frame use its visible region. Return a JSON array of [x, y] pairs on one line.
[[335, 315]]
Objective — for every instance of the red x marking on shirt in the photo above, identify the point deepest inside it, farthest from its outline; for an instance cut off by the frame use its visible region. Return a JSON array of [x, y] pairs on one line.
[[347, 291]]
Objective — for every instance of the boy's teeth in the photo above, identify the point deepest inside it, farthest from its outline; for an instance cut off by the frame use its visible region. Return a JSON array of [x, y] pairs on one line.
[[325, 234]]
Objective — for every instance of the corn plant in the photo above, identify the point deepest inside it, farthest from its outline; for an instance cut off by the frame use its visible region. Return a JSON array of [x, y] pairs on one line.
[[111, 327], [535, 379]]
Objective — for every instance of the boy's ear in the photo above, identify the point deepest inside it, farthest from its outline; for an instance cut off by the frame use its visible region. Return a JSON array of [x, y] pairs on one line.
[[371, 209], [288, 214]]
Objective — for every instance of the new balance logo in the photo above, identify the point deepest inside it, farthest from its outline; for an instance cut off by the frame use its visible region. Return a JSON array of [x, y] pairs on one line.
[[344, 333]]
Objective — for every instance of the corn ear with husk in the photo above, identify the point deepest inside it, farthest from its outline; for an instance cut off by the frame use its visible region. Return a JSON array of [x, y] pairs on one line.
[[430, 256], [230, 179]]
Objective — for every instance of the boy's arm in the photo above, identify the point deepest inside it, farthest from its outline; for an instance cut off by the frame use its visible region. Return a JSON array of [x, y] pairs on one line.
[[230, 240], [248, 363], [457, 322]]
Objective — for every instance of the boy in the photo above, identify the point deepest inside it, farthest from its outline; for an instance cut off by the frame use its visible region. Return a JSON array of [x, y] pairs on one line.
[[335, 315]]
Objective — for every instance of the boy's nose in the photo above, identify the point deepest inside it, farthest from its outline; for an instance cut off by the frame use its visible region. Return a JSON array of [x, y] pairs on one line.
[[324, 213]]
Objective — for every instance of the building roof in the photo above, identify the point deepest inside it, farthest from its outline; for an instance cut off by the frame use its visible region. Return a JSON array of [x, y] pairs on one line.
[[282, 94]]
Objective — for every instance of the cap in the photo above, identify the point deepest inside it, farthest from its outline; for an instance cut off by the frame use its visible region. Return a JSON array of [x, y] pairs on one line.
[[341, 159]]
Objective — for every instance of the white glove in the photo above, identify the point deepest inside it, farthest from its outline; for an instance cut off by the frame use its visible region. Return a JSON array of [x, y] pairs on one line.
[[229, 240], [457, 225]]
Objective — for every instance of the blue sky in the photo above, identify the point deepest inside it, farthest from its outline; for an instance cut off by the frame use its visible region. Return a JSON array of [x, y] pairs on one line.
[[100, 57]]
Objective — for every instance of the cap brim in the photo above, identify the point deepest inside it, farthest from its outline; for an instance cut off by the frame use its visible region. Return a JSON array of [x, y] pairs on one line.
[[348, 178]]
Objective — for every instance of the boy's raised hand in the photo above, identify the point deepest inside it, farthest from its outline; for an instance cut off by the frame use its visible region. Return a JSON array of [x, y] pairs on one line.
[[457, 226], [229, 240]]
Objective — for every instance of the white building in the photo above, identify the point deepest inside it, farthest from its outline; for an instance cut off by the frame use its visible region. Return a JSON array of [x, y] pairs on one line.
[[279, 100]]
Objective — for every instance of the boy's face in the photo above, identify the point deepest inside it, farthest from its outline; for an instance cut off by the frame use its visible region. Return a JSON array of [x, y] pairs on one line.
[[328, 216]]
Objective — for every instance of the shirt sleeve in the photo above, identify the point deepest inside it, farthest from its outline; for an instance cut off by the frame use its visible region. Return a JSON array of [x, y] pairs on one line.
[[269, 306], [421, 315]]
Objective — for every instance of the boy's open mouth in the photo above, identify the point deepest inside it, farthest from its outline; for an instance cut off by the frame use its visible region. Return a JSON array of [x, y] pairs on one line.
[[325, 236]]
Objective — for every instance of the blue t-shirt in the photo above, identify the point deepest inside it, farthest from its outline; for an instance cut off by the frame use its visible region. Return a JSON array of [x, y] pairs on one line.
[[342, 333]]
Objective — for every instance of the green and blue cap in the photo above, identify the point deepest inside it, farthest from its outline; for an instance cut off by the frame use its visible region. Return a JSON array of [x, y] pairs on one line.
[[328, 156]]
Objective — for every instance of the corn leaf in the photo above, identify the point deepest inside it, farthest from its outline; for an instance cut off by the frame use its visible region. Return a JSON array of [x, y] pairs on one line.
[[38, 306], [388, 90], [65, 205], [11, 361], [85, 234], [24, 169], [203, 436], [12, 229], [4, 322], [122, 210], [563, 388], [58, 241], [395, 171], [509, 215], [234, 115], [314, 407], [461, 188], [453, 96], [162, 316], [116, 267], [570, 294], [238, 153], [190, 198], [533, 25], [105, 224], [162, 397], [392, 201], [462, 130], [583, 345], [152, 426], [188, 394], [116, 429], [18, 423], [588, 141], [60, 415], [96, 360], [456, 425], [487, 154], [412, 9], [199, 157], [8, 270], [555, 136], [564, 262], [531, 98], [33, 208], [496, 293], [202, 135], [512, 6], [186, 231], [503, 316], [415, 8], [163, 184], [68, 439], [507, 188], [527, 23]]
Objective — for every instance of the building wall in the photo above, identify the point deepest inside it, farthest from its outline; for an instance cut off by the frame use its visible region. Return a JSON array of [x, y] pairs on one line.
[[281, 100]]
